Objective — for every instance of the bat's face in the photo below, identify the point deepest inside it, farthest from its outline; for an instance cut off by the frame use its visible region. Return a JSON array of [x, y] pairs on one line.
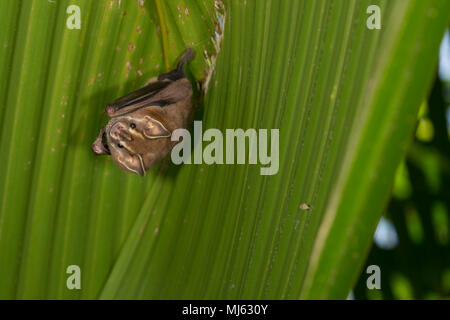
[[137, 140]]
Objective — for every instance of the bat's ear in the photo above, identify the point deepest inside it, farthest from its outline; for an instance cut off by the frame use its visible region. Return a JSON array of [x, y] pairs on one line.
[[154, 129], [137, 165], [131, 163]]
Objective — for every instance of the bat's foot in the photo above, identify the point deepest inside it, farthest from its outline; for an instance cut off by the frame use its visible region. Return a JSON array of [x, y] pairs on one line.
[[187, 56], [178, 73]]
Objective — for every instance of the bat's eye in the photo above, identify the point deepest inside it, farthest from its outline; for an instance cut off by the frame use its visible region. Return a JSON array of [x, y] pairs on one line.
[[120, 145], [132, 125]]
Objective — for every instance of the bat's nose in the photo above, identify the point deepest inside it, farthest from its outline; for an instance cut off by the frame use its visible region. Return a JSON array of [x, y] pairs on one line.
[[119, 131]]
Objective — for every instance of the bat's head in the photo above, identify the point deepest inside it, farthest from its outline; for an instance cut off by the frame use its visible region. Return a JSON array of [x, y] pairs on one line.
[[135, 141]]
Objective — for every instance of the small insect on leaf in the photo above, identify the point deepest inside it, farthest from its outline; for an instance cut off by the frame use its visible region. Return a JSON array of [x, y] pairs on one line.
[[142, 122]]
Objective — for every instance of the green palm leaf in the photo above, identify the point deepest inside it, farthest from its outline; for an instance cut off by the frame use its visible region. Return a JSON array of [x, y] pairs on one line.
[[344, 97]]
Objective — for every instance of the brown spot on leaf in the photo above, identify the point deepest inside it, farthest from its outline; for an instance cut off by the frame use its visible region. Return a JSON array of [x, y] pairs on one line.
[[305, 207]]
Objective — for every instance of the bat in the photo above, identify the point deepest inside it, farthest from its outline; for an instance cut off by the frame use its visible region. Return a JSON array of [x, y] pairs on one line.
[[138, 134]]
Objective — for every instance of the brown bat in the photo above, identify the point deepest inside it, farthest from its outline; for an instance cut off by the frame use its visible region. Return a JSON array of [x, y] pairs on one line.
[[138, 134]]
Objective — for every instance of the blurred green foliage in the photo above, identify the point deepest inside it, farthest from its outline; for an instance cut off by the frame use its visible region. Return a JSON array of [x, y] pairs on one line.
[[418, 267]]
